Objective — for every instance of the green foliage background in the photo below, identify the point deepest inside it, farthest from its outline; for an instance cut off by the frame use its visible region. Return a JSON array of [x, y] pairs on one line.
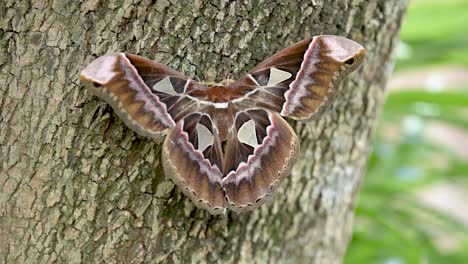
[[392, 226]]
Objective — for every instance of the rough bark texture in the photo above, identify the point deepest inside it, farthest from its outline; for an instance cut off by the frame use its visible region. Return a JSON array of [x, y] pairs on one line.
[[78, 186]]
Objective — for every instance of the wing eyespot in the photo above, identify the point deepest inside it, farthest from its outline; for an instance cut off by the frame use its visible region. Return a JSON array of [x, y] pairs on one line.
[[349, 62]]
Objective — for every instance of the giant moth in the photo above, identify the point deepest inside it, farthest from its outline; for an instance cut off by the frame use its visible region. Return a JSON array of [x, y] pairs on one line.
[[227, 145]]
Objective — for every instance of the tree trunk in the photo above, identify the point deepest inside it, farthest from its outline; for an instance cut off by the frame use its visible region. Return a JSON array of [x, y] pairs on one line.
[[78, 186]]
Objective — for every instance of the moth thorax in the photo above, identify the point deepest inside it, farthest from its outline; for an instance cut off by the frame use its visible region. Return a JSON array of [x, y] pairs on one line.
[[220, 93]]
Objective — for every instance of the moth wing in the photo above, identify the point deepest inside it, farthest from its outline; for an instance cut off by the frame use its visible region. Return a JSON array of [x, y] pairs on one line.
[[194, 158], [255, 180], [149, 97], [301, 81], [184, 160]]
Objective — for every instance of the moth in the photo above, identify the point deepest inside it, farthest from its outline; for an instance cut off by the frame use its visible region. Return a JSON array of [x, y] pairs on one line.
[[227, 145]]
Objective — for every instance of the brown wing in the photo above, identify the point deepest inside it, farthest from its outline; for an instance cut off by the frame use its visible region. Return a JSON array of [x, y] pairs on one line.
[[240, 173], [254, 180], [192, 170], [301, 81], [148, 96]]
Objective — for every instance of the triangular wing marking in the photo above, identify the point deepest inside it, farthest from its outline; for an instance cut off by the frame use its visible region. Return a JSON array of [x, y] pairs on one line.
[[165, 86], [205, 138], [247, 134], [277, 76]]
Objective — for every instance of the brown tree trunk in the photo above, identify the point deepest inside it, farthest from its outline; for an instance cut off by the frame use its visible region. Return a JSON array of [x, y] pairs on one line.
[[78, 186]]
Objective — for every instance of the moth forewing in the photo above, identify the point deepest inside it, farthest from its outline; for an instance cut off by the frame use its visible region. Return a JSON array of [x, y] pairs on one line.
[[115, 80], [326, 62]]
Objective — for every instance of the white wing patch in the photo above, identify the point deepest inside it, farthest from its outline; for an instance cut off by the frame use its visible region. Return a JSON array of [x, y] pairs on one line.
[[165, 86], [247, 134], [277, 76], [205, 138]]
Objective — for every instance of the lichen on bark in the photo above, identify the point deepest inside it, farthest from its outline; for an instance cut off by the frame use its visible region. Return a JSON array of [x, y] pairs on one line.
[[78, 186]]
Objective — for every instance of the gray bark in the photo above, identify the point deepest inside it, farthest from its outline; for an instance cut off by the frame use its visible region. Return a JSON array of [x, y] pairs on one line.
[[78, 186]]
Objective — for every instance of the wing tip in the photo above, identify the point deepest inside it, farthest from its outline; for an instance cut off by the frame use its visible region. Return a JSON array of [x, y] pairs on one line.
[[101, 70]]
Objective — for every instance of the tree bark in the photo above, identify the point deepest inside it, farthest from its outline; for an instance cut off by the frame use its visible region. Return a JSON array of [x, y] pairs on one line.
[[78, 186]]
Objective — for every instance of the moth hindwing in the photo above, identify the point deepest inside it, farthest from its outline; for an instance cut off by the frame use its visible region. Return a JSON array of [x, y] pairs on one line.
[[227, 146]]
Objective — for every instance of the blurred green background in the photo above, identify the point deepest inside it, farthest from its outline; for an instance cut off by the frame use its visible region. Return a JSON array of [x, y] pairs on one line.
[[413, 207]]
